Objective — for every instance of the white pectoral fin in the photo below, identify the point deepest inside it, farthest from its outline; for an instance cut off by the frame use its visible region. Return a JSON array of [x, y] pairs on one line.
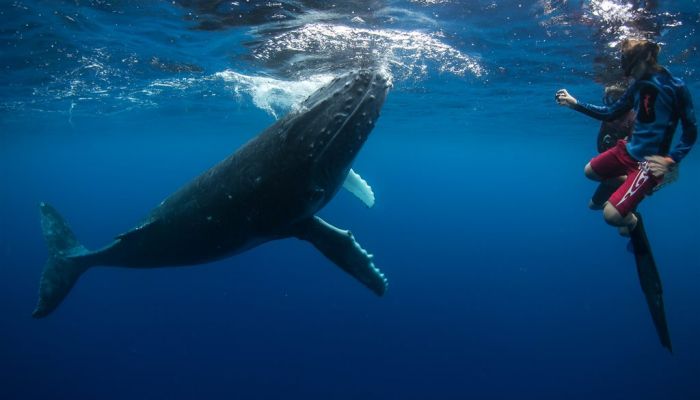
[[359, 187]]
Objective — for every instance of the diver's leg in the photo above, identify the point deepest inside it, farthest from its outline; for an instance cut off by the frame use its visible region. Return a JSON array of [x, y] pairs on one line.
[[619, 209], [603, 192], [591, 174], [608, 169], [624, 223]]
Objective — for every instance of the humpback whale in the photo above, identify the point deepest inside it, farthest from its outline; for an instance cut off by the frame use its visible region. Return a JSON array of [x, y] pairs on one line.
[[270, 188]]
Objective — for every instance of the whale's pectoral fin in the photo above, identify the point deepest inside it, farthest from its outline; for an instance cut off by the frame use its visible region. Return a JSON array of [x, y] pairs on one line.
[[341, 248], [359, 187]]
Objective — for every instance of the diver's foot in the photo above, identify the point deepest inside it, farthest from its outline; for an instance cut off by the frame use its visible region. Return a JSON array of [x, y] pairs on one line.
[[626, 230]]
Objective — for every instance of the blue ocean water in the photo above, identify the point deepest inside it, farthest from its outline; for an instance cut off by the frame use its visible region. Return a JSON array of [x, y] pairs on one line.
[[502, 284]]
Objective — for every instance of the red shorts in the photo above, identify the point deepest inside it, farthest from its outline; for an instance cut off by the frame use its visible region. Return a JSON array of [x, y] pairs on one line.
[[615, 162]]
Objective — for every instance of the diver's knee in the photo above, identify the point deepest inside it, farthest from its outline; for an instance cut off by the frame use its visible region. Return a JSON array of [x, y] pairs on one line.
[[612, 216], [590, 174]]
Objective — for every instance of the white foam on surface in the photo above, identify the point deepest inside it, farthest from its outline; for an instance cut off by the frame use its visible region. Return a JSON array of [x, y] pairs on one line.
[[410, 54], [275, 96]]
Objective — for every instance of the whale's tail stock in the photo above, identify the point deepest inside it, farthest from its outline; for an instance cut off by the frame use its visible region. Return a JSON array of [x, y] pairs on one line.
[[64, 265]]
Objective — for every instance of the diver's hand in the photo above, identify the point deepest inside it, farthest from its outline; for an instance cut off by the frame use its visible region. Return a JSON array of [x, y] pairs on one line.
[[660, 165], [563, 98]]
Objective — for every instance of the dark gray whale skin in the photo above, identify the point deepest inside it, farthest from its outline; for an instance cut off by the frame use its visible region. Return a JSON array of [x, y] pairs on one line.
[[270, 188]]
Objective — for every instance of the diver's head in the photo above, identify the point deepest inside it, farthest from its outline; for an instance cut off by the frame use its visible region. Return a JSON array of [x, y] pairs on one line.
[[639, 56], [613, 92]]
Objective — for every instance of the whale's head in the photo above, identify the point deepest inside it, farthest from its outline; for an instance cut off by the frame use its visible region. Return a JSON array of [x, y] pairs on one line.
[[334, 122]]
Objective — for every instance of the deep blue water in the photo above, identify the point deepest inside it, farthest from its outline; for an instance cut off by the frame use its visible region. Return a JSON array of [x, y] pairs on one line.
[[502, 284]]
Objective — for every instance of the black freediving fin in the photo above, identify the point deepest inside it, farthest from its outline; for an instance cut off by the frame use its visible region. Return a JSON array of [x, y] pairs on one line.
[[341, 248], [650, 281]]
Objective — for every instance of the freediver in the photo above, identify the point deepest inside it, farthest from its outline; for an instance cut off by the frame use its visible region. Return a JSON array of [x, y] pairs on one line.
[[659, 100], [641, 160], [609, 134]]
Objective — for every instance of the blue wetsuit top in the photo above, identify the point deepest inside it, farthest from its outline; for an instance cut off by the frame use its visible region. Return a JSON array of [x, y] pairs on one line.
[[659, 100]]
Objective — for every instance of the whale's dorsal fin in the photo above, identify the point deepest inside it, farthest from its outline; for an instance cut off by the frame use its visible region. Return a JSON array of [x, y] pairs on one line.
[[359, 187], [341, 247]]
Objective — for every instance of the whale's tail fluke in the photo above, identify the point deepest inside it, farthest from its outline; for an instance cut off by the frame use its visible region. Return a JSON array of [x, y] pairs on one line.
[[64, 266]]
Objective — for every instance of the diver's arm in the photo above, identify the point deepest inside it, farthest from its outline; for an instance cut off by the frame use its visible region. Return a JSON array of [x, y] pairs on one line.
[[690, 127], [603, 113]]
